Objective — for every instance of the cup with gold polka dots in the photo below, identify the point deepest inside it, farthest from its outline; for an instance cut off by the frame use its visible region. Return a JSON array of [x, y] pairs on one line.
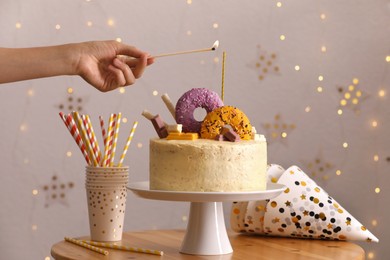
[[106, 198]]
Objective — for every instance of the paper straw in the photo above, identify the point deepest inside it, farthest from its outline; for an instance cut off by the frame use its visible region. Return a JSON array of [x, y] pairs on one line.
[[125, 248], [127, 144], [169, 105], [92, 138], [84, 136], [85, 245], [118, 121], [70, 124], [104, 134], [108, 139]]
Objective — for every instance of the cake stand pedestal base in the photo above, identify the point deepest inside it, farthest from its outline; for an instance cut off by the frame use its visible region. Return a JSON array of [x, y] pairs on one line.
[[206, 232]]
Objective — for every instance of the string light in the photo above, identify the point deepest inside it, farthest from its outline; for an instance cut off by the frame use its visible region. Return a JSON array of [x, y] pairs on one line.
[[215, 25], [340, 112], [338, 172], [30, 92], [110, 22], [58, 27], [323, 16], [284, 134], [282, 37], [376, 158], [307, 109], [377, 190], [34, 192], [370, 255], [345, 145], [18, 25], [122, 90], [216, 60], [374, 222], [320, 78], [23, 127], [89, 24], [323, 48], [319, 89], [381, 93], [374, 123], [118, 39], [189, 33], [34, 227], [155, 93], [139, 145], [69, 153], [189, 2], [70, 90], [124, 120], [388, 58], [297, 67]]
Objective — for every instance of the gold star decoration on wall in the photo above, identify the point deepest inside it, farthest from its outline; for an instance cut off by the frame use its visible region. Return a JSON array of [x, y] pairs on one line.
[[72, 102], [55, 191], [278, 130], [265, 63], [318, 167], [352, 96]]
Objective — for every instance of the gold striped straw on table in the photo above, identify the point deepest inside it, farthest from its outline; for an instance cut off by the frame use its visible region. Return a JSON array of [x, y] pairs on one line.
[[125, 248], [128, 143], [85, 245]]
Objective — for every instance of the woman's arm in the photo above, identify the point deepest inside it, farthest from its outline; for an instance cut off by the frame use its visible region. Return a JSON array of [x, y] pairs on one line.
[[99, 63]]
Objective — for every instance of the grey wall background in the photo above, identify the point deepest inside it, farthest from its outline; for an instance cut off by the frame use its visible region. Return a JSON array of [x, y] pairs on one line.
[[346, 42]]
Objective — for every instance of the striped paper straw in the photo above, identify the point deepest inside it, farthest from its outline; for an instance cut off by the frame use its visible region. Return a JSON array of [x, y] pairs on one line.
[[127, 143], [85, 245], [104, 134], [91, 137], [125, 248], [70, 124], [107, 145], [113, 148], [84, 136]]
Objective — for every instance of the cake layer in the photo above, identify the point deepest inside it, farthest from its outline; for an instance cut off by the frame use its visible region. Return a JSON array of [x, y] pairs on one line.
[[207, 165]]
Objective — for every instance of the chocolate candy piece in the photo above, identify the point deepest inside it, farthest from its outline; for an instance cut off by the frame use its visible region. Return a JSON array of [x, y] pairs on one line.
[[159, 126], [232, 136], [220, 137]]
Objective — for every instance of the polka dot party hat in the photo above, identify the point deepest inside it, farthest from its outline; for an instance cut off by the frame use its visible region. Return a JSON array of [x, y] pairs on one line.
[[303, 210]]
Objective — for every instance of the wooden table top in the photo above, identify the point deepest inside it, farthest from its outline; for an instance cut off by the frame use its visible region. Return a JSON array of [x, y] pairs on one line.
[[245, 247]]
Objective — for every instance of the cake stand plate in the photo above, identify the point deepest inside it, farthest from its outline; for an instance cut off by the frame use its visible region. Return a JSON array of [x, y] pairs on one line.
[[206, 232]]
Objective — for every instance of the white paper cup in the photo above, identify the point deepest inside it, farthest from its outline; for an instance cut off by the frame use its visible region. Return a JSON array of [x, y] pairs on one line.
[[106, 205]]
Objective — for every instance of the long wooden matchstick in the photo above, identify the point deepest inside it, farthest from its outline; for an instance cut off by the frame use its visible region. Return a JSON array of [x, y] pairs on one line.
[[213, 48]]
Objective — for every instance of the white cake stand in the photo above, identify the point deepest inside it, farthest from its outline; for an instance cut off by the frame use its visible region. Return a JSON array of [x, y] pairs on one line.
[[206, 232]]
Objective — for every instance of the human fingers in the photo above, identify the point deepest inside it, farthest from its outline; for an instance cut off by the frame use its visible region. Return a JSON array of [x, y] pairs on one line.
[[128, 50], [126, 75], [140, 66]]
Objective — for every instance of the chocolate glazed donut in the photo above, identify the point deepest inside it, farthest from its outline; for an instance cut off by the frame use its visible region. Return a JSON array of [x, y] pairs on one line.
[[191, 100]]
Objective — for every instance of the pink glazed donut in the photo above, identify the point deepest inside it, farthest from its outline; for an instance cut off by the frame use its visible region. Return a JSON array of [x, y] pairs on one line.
[[191, 100]]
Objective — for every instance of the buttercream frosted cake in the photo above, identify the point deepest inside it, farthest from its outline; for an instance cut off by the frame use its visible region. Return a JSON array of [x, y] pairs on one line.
[[222, 153]]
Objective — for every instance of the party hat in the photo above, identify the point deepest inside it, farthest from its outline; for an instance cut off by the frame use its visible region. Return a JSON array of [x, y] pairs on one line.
[[303, 210]]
